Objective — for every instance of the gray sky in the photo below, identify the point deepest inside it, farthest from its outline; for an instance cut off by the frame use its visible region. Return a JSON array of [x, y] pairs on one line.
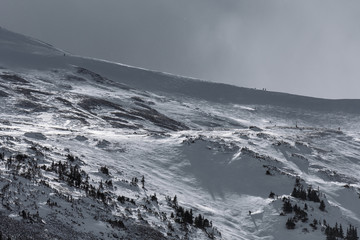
[[307, 47]]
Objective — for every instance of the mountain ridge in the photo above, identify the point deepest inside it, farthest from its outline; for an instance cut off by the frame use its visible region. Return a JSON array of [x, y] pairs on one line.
[[172, 84]]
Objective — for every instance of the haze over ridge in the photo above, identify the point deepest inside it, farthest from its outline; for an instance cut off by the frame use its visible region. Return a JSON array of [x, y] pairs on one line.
[[303, 47]]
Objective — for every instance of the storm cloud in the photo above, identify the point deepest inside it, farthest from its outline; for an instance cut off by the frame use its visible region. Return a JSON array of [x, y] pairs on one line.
[[303, 47]]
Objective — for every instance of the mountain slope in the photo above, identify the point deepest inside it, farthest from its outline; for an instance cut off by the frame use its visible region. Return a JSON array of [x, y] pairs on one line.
[[78, 135]]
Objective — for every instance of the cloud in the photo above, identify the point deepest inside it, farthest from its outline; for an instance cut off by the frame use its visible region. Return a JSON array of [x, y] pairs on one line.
[[304, 47]]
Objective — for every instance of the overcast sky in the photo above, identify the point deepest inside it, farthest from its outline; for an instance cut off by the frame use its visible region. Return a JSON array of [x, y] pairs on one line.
[[307, 47]]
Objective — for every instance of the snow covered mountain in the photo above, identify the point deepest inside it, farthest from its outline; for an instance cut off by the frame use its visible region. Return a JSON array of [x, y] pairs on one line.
[[92, 149]]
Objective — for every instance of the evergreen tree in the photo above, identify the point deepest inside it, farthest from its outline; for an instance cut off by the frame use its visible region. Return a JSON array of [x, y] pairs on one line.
[[188, 217], [331, 237], [351, 233], [322, 205], [290, 223], [299, 193], [314, 224], [272, 195], [206, 223], [153, 197], [341, 232], [199, 221], [143, 181], [287, 207], [313, 195]]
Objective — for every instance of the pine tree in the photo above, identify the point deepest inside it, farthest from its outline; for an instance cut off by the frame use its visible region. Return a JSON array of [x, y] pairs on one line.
[[272, 195], [143, 181], [314, 224], [199, 221], [341, 232], [331, 237], [287, 207], [322, 205], [153, 197], [290, 223], [191, 217], [206, 223], [351, 233], [313, 195], [188, 217]]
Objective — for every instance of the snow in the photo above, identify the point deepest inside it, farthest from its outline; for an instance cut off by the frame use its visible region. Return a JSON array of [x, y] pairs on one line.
[[220, 149]]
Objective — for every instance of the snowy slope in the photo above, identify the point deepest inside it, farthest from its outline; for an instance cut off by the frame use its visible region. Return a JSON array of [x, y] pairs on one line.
[[220, 149]]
